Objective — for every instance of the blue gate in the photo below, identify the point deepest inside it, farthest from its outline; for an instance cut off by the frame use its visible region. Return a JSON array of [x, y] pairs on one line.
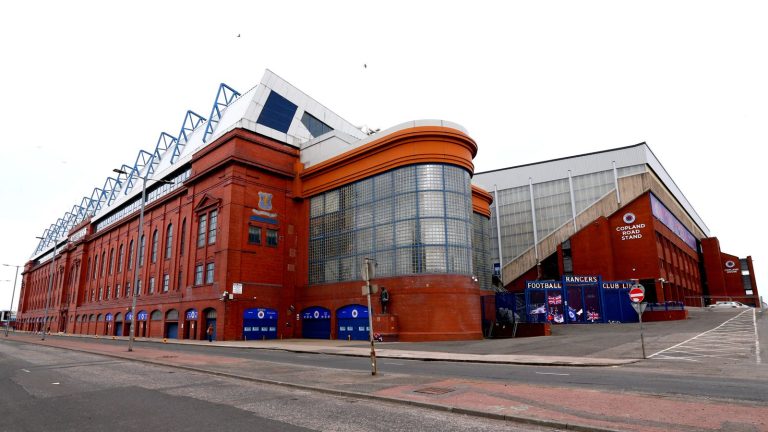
[[316, 323], [172, 330], [259, 323], [579, 299], [618, 306], [544, 301], [352, 322], [583, 299]]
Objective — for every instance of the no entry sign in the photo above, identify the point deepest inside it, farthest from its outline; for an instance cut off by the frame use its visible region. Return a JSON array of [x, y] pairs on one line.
[[637, 293]]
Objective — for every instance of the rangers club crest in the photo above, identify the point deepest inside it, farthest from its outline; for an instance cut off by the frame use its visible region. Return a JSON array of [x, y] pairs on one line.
[[629, 218], [265, 201]]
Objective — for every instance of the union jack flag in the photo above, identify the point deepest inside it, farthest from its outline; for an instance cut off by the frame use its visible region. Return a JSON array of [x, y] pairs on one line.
[[555, 300], [593, 316]]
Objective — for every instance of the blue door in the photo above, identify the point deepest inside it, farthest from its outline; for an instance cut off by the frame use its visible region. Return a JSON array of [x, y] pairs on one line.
[[316, 323], [210, 322], [172, 330], [258, 324], [618, 307], [118, 329], [352, 323]]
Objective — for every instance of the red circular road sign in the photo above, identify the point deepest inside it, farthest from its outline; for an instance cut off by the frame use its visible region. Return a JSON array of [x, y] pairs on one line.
[[637, 294]]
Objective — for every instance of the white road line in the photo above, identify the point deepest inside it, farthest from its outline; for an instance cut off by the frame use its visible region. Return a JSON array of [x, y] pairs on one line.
[[757, 340], [697, 336], [25, 370], [552, 373]]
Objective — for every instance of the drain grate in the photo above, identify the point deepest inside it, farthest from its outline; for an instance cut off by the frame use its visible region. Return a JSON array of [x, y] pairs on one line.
[[435, 390]]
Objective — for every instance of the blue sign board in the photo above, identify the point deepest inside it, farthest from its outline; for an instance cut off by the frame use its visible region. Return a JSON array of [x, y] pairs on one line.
[[260, 313], [352, 311], [316, 312], [580, 280], [129, 316], [617, 284], [142, 316], [192, 314], [544, 284], [108, 317]]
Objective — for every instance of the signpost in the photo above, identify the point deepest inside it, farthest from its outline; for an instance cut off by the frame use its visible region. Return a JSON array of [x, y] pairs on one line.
[[637, 295], [368, 270]]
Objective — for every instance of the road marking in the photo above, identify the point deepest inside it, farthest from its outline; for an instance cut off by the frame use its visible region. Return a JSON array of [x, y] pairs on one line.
[[25, 370], [55, 383], [393, 363], [553, 373], [728, 341], [757, 339]]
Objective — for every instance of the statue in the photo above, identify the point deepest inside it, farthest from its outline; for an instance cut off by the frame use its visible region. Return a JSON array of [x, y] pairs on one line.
[[384, 298]]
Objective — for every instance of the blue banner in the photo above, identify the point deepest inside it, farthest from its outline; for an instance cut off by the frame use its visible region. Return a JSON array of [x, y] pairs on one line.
[[316, 312]]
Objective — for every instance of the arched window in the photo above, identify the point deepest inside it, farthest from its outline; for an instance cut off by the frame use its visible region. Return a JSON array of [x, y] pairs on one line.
[[120, 259], [142, 243], [168, 241], [130, 255], [154, 246], [111, 260], [103, 262], [182, 242]]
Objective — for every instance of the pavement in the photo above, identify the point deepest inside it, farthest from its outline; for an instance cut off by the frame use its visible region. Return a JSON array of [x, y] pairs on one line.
[[564, 408]]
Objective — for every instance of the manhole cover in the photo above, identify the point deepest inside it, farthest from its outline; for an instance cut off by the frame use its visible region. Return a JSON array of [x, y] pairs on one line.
[[434, 390]]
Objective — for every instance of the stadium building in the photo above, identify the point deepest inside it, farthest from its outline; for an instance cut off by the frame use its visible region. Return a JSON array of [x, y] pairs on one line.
[[614, 214], [258, 220]]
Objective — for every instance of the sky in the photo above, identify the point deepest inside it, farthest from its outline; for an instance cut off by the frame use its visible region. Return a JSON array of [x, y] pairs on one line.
[[86, 85]]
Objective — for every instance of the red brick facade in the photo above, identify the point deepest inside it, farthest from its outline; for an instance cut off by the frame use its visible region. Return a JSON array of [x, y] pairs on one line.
[[633, 244], [228, 179]]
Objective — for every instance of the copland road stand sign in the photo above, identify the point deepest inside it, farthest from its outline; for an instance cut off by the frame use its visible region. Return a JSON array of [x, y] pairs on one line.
[[637, 295]]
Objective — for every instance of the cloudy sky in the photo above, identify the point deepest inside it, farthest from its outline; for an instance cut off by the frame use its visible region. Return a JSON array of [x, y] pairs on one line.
[[85, 85]]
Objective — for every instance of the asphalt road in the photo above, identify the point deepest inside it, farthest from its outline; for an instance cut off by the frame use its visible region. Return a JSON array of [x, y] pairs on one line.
[[715, 372], [46, 389]]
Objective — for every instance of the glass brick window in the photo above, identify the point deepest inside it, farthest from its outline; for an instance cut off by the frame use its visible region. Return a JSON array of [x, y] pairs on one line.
[[481, 243], [166, 282], [152, 285], [411, 220]]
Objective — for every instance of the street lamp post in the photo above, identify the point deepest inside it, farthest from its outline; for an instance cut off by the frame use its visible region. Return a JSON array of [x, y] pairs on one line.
[[50, 285], [13, 293], [368, 270], [134, 288]]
